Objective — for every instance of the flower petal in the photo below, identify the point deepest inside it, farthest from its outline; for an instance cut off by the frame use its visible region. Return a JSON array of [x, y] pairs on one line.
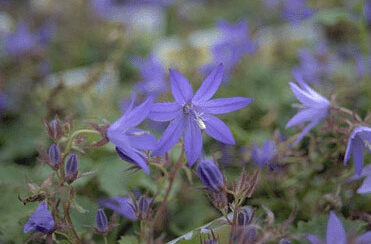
[[335, 230], [218, 130], [209, 86], [365, 188], [192, 141], [121, 205], [141, 139], [305, 132], [180, 87], [226, 105], [358, 158], [138, 114], [308, 99], [171, 136], [304, 115], [136, 158], [164, 111], [364, 239]]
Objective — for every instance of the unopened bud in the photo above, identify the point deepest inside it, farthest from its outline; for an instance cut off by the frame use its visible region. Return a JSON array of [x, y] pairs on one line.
[[71, 168], [142, 207], [210, 175], [54, 128], [102, 222], [54, 154], [243, 217]]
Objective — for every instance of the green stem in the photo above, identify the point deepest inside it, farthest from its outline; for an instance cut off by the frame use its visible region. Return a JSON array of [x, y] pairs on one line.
[[76, 133], [105, 239], [67, 206]]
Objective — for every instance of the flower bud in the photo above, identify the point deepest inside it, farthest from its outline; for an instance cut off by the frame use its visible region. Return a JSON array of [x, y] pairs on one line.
[[54, 154], [210, 175], [142, 207], [102, 222], [243, 217], [71, 168], [247, 235], [54, 128]]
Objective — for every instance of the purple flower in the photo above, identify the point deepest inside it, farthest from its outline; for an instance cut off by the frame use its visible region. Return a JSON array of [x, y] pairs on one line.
[[264, 155], [366, 185], [121, 205], [314, 66], [367, 11], [315, 107], [101, 220], [234, 45], [153, 76], [23, 41], [41, 220], [359, 138], [3, 102], [130, 140], [210, 175], [363, 65], [191, 114], [244, 217], [336, 233], [295, 11]]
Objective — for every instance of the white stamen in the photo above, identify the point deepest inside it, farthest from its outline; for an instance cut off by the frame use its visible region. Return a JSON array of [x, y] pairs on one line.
[[200, 123], [367, 144]]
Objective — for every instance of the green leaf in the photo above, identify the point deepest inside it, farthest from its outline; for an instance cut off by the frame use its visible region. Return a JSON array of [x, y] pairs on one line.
[[128, 240]]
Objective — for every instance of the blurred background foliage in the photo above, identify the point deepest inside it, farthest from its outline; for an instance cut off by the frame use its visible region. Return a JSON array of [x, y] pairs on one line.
[[85, 69]]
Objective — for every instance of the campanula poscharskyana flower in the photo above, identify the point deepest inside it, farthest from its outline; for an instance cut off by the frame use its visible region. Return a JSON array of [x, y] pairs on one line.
[[315, 107], [124, 206], [191, 114], [128, 139], [365, 188], [41, 220], [263, 155]]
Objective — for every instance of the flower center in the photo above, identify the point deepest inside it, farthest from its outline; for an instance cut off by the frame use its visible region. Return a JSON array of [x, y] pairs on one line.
[[190, 110]]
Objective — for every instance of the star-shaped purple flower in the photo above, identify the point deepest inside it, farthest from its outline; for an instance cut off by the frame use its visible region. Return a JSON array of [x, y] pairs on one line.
[[336, 234], [315, 107], [121, 205], [130, 140], [41, 220], [153, 76], [191, 114], [235, 43], [295, 11], [264, 155], [359, 138]]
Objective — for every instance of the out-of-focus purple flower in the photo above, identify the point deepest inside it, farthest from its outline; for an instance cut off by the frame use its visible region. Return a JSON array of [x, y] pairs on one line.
[[359, 138], [367, 11], [121, 205], [191, 114], [366, 185], [363, 65], [210, 175], [54, 154], [314, 66], [130, 140], [295, 11], [153, 81], [101, 220], [336, 233], [316, 107], [264, 155], [285, 241], [41, 220], [3, 102], [23, 41], [235, 43]]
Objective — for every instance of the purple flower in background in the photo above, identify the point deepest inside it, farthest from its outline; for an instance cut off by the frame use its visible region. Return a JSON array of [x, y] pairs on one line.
[[3, 102], [366, 185], [295, 11], [363, 65], [130, 140], [191, 114], [336, 233], [23, 41], [234, 45], [121, 205], [314, 66], [316, 107], [360, 138], [41, 220], [264, 155], [153, 81], [367, 11], [210, 175]]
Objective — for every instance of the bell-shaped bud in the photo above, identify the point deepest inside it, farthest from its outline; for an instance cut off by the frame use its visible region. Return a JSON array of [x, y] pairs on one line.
[[143, 207], [54, 128], [54, 154], [244, 216], [101, 220], [71, 168], [210, 175]]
